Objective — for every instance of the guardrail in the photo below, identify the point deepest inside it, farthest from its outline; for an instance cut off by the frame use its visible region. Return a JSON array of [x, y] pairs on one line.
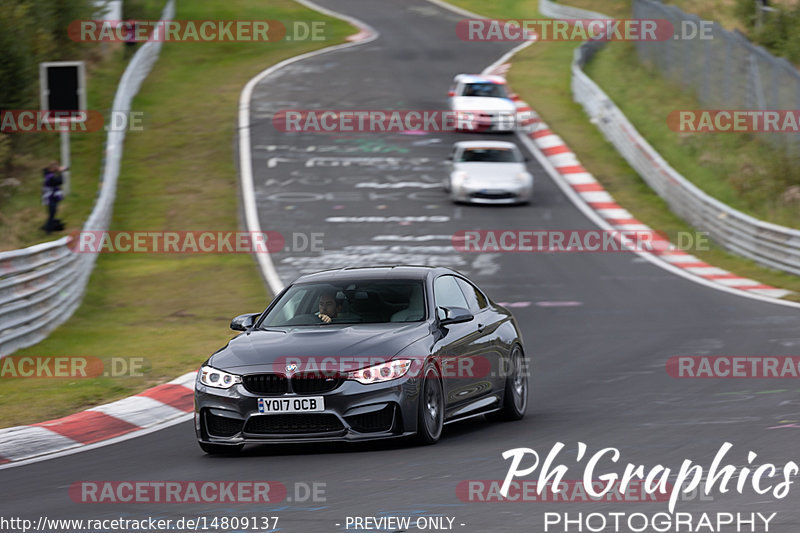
[[42, 285], [769, 244]]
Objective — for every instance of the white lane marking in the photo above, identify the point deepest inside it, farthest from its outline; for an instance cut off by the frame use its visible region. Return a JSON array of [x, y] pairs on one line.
[[426, 142], [459, 11], [413, 238], [424, 11], [485, 264], [356, 258], [424, 218], [559, 304], [398, 185]]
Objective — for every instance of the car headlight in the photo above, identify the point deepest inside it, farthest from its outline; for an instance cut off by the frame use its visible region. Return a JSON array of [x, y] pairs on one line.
[[217, 378], [523, 177], [382, 372], [458, 178]]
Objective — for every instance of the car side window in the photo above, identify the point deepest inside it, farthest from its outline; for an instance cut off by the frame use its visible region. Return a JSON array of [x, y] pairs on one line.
[[447, 293], [475, 297]]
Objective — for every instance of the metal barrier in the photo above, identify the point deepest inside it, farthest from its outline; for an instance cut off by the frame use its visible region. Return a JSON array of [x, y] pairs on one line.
[[768, 244], [42, 285]]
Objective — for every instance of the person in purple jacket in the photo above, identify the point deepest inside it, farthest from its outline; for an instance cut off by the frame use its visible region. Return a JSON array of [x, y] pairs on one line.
[[52, 195]]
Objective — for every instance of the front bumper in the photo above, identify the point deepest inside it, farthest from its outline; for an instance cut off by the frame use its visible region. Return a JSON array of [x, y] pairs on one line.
[[487, 123], [353, 412], [482, 195]]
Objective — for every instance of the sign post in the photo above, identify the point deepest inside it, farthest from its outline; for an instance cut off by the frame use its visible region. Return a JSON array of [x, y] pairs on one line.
[[62, 87]]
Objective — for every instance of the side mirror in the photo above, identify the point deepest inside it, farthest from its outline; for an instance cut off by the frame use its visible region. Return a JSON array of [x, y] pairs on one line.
[[244, 322], [455, 315], [513, 96]]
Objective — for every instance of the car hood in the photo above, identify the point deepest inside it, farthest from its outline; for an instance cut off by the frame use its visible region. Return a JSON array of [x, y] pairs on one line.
[[482, 103], [261, 351], [490, 171]]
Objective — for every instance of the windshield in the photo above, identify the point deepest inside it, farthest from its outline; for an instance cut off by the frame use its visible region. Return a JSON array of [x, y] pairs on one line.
[[489, 155], [492, 90], [352, 302]]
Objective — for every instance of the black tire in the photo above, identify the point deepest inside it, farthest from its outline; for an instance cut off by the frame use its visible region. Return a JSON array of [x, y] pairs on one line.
[[221, 449], [515, 397], [430, 411]]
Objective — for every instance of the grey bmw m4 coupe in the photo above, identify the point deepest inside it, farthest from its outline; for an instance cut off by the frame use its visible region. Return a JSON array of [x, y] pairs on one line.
[[359, 354]]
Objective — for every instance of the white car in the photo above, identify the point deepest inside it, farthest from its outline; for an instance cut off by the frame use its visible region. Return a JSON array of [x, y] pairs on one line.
[[482, 103], [488, 172]]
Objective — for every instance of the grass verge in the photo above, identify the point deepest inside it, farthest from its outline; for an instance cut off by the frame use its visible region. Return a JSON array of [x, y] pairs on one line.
[[541, 75], [177, 174], [740, 171]]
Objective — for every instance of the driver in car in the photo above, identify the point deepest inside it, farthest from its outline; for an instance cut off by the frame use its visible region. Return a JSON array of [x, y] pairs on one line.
[[329, 307]]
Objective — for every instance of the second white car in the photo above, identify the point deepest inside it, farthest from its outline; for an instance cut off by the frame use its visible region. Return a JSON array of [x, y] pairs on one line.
[[488, 172]]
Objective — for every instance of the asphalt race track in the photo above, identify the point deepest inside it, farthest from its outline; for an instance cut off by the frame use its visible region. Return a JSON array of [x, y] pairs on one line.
[[599, 327]]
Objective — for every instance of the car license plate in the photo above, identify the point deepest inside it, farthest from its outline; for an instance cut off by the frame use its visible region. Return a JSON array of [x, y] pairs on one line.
[[304, 404]]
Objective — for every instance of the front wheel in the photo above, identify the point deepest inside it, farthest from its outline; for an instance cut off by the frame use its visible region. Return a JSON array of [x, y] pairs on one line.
[[430, 417]]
